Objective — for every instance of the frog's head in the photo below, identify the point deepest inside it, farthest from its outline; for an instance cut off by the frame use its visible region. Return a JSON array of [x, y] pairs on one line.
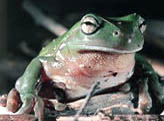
[[115, 34]]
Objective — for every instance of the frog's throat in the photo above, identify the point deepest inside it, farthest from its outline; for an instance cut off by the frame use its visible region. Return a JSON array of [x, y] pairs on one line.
[[105, 49]]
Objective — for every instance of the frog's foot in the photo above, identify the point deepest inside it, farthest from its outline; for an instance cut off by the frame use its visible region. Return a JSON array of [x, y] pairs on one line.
[[29, 101], [39, 109], [144, 107], [13, 100], [145, 101]]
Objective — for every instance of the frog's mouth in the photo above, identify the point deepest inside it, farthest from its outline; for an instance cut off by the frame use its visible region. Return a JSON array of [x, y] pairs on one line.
[[83, 48]]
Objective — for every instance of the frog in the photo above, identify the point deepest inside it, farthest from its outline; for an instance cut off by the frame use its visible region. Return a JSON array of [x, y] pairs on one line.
[[95, 49]]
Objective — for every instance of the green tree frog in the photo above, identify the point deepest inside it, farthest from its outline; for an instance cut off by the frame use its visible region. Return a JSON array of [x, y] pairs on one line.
[[94, 49]]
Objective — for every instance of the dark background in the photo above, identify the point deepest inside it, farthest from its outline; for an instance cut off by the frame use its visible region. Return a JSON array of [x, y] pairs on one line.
[[17, 27], [21, 27]]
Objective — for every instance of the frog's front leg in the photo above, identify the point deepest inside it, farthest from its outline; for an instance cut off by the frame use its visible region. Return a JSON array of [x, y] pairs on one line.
[[144, 101], [25, 85]]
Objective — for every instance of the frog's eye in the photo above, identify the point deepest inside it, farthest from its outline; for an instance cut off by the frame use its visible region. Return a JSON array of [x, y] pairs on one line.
[[89, 25], [116, 33], [142, 27]]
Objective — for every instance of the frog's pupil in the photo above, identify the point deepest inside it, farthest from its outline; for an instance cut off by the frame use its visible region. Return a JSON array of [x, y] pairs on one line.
[[88, 27], [89, 23]]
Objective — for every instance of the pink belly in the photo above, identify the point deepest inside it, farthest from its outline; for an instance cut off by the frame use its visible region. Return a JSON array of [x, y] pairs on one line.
[[79, 73]]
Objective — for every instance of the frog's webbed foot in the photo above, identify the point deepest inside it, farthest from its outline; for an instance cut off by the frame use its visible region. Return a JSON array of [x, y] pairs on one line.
[[144, 101], [13, 100], [39, 109], [28, 101]]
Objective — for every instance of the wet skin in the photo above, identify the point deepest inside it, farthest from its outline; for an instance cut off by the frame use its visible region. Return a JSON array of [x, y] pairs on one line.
[[94, 49]]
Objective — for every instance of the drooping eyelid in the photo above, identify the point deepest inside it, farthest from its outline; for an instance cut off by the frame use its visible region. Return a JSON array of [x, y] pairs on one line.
[[97, 22]]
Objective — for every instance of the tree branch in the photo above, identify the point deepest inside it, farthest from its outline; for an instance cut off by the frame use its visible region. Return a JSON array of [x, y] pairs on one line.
[[88, 97], [44, 20]]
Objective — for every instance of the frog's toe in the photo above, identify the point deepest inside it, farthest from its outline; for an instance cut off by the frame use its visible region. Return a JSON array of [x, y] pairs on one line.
[[28, 102], [39, 109], [13, 100], [142, 110]]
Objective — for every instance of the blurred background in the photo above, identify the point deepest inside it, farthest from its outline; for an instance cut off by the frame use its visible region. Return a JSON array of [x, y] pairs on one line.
[[22, 33]]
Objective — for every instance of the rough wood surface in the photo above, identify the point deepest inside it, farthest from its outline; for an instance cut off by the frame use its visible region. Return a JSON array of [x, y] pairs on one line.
[[23, 117], [116, 118], [98, 117]]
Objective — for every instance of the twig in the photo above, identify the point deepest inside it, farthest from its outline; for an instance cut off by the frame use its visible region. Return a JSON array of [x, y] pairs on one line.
[[43, 20], [88, 97]]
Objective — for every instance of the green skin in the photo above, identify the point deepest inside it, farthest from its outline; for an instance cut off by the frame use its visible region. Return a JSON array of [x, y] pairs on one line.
[[121, 35]]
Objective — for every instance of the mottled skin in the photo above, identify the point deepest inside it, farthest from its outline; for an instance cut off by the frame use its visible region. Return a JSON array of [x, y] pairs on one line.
[[94, 49]]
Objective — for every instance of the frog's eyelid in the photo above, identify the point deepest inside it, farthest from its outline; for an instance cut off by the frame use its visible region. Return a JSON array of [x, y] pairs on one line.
[[89, 25], [88, 28], [90, 20]]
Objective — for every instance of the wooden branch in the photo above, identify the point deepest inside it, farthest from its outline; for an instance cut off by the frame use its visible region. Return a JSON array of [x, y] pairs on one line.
[[116, 118], [88, 97], [44, 20], [24, 117], [158, 66]]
